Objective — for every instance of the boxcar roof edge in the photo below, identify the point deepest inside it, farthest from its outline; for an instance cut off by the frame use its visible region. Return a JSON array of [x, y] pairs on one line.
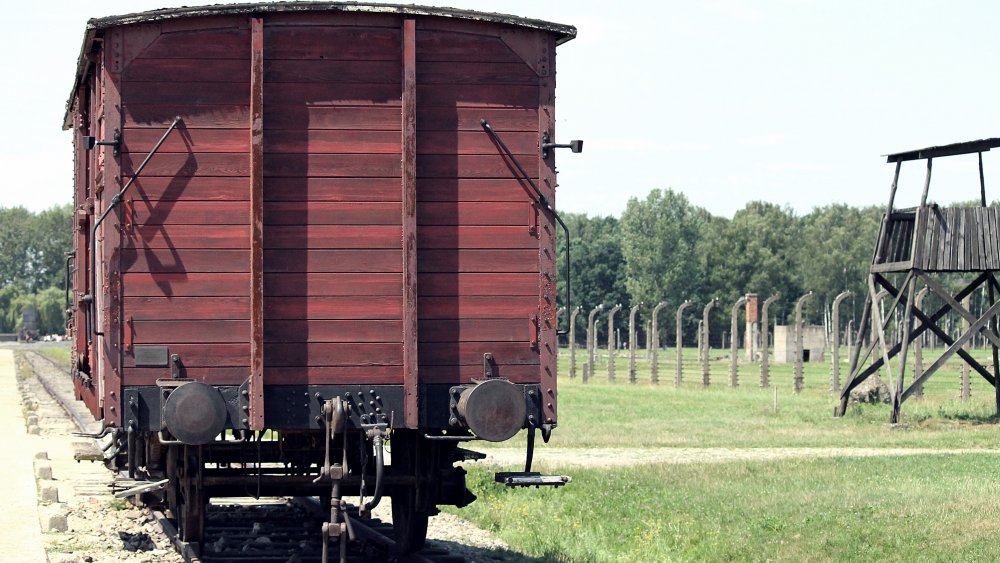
[[562, 32]]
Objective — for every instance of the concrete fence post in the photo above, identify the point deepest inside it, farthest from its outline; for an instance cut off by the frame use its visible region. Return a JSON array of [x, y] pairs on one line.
[[632, 347], [765, 349], [572, 341], [835, 344], [706, 343], [654, 358], [679, 343], [611, 341], [966, 383], [734, 342], [591, 341], [798, 341]]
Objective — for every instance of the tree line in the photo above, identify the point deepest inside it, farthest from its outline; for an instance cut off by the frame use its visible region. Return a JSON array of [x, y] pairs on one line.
[[33, 250], [663, 248]]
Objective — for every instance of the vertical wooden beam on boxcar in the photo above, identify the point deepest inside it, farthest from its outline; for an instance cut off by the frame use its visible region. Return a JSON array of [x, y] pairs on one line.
[[256, 418], [110, 278], [411, 376], [545, 50]]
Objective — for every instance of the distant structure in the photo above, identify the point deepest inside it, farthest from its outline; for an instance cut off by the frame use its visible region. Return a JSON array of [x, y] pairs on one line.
[[813, 343]]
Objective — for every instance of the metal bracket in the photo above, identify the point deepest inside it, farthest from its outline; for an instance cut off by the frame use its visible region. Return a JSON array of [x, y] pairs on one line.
[[575, 145], [90, 142], [489, 366], [175, 366]]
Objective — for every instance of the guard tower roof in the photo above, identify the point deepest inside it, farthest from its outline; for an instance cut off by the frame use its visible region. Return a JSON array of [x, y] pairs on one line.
[[967, 147]]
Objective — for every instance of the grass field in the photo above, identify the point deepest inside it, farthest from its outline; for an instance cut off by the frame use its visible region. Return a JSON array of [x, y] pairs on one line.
[[939, 506]]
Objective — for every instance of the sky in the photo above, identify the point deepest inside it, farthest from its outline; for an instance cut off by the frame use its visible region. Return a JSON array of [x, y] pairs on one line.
[[725, 101]]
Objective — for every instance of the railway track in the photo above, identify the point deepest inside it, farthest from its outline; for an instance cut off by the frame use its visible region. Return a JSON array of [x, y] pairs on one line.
[[239, 530]]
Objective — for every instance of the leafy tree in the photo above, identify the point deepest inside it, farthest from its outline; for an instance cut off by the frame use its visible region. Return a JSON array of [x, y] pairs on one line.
[[597, 266]]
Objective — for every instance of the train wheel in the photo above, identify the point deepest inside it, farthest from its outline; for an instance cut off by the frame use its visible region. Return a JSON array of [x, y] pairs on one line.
[[409, 519]]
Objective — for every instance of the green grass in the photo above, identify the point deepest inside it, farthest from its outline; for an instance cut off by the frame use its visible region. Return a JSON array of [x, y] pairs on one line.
[[917, 507], [928, 508]]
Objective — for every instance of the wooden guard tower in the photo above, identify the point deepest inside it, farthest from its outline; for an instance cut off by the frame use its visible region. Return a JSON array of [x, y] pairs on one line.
[[920, 246]]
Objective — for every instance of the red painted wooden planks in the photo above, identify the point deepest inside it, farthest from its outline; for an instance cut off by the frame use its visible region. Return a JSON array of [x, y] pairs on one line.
[[229, 375], [171, 261], [474, 213], [474, 330], [474, 142], [478, 96], [331, 43], [472, 237], [296, 93], [184, 212], [332, 165], [333, 237], [475, 306], [299, 117], [335, 141], [517, 373], [470, 166], [471, 353], [210, 43], [140, 140], [344, 375], [192, 69], [191, 189], [186, 308], [476, 72], [189, 332], [331, 189], [323, 213], [185, 285], [158, 115], [333, 308], [450, 119], [189, 236], [182, 92], [446, 261], [279, 72], [360, 285], [472, 189], [181, 165], [208, 355], [435, 45], [498, 285], [291, 260], [344, 331], [281, 354]]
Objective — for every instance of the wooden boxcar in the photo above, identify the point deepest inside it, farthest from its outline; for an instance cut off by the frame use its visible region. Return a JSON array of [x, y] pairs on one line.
[[300, 217]]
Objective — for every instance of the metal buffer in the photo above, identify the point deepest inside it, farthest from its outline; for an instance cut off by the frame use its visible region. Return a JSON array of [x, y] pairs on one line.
[[572, 341], [931, 245], [798, 340], [835, 344], [765, 349], [631, 341], [679, 375], [733, 342], [705, 344], [591, 342], [611, 341], [653, 344]]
